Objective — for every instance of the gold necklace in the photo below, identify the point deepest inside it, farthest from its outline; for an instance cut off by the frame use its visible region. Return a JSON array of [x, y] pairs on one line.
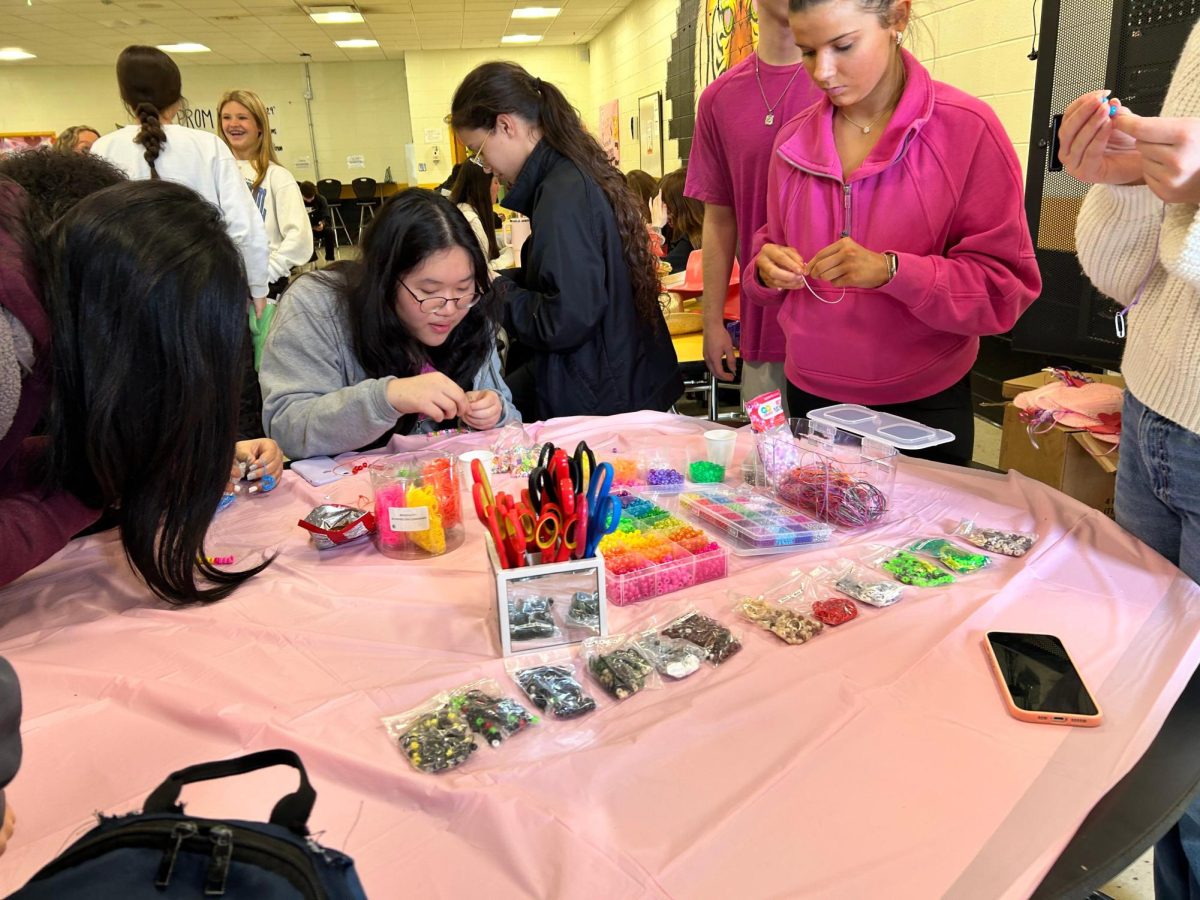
[[866, 129]]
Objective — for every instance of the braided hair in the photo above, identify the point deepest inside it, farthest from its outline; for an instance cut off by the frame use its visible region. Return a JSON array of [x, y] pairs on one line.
[[149, 82]]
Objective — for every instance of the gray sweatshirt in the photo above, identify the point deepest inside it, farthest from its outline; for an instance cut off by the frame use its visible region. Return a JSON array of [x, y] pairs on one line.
[[317, 400]]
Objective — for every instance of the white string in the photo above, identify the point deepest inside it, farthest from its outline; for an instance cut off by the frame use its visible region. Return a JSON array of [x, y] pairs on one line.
[[819, 297]]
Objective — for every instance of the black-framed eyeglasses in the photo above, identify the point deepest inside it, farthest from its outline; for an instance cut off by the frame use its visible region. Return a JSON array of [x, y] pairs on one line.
[[437, 304], [478, 157]]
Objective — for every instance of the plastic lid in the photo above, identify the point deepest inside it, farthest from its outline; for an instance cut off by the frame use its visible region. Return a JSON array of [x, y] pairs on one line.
[[895, 431], [753, 521]]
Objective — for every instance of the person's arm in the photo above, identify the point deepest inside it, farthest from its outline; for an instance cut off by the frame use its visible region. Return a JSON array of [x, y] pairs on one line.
[[1116, 236], [296, 243], [988, 274], [573, 295], [33, 527], [710, 180], [308, 408], [718, 252], [242, 221]]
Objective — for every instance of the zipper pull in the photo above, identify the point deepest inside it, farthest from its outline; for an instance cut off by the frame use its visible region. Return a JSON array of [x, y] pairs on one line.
[[166, 866], [218, 866], [846, 208]]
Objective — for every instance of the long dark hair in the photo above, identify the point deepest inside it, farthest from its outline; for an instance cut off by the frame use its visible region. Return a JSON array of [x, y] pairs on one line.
[[150, 82], [147, 301], [687, 213], [503, 87], [473, 186], [412, 226], [645, 186]]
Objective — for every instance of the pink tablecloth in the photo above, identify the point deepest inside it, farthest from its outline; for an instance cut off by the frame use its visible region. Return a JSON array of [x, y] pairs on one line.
[[877, 759]]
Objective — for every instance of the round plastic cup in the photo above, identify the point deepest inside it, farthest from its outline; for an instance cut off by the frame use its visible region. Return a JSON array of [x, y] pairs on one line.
[[418, 511], [719, 443], [487, 457]]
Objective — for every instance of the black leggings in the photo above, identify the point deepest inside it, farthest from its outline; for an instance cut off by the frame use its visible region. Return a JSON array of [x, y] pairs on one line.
[[950, 409]]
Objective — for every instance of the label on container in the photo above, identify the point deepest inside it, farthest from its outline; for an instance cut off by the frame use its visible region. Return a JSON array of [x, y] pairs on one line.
[[409, 518]]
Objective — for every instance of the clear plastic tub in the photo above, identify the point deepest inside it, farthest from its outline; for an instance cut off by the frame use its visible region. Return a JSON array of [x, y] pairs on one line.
[[657, 471], [842, 479], [418, 510], [657, 554], [753, 522]]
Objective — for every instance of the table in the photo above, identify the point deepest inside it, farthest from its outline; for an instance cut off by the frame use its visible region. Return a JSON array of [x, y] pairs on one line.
[[877, 758]]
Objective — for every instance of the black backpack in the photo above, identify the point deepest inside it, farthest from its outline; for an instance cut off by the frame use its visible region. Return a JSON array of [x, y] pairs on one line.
[[164, 854]]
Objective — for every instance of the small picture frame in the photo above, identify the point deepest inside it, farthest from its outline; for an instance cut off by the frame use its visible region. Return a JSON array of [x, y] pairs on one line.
[[650, 144]]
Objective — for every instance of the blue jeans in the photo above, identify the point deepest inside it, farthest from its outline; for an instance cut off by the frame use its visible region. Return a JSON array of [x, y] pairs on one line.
[[1158, 502]]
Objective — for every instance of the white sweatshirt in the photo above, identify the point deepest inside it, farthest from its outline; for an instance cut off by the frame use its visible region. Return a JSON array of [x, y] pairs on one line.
[[289, 236], [202, 162], [505, 259], [1115, 236]]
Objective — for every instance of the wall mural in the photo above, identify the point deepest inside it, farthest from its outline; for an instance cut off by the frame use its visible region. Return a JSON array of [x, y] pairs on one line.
[[710, 37], [730, 35]]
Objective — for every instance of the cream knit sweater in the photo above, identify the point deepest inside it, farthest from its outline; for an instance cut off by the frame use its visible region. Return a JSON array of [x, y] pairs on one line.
[[1115, 236]]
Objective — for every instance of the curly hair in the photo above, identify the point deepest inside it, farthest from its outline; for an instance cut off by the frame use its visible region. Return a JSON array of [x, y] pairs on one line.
[[55, 182], [496, 88], [150, 83]]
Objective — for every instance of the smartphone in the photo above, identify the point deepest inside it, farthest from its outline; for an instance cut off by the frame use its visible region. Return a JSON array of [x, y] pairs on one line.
[[1038, 680]]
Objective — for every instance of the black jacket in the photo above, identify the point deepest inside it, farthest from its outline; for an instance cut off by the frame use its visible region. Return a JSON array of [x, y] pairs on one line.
[[572, 302], [677, 256]]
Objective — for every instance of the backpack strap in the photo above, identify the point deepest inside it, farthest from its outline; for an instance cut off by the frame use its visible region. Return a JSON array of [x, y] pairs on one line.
[[291, 812]]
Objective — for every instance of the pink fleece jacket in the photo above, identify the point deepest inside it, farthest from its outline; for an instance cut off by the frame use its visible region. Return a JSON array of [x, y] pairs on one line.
[[942, 189]]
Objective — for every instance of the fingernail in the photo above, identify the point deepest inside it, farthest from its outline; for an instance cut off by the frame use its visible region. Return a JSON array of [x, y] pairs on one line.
[[254, 490], [237, 488]]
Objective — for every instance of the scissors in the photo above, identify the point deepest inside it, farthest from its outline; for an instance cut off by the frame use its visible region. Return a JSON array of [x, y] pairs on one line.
[[539, 531], [553, 483], [502, 524], [605, 512], [585, 464]]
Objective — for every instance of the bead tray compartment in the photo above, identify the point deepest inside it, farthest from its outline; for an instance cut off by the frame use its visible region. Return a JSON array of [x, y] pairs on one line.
[[754, 523], [660, 471], [653, 553]]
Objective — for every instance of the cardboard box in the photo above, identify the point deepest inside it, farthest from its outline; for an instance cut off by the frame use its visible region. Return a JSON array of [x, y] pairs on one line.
[[1071, 460]]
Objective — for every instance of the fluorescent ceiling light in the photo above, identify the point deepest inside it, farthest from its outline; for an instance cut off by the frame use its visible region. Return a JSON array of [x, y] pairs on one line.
[[334, 15], [356, 42], [13, 53], [520, 38], [536, 12], [185, 47]]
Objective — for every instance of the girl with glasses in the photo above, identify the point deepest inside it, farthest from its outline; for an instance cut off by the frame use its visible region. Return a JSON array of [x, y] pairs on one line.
[[583, 306], [401, 340]]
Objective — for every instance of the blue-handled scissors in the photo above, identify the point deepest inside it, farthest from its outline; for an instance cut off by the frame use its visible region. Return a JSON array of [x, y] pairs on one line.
[[604, 512]]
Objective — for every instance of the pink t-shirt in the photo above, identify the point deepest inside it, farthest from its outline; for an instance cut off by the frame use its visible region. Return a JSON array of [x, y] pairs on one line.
[[731, 152]]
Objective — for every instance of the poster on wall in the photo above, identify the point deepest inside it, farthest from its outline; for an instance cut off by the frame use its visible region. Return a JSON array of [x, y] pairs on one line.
[[610, 130], [651, 143], [16, 141]]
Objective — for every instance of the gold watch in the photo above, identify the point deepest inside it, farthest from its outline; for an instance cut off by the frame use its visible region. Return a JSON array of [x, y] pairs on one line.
[[893, 264]]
